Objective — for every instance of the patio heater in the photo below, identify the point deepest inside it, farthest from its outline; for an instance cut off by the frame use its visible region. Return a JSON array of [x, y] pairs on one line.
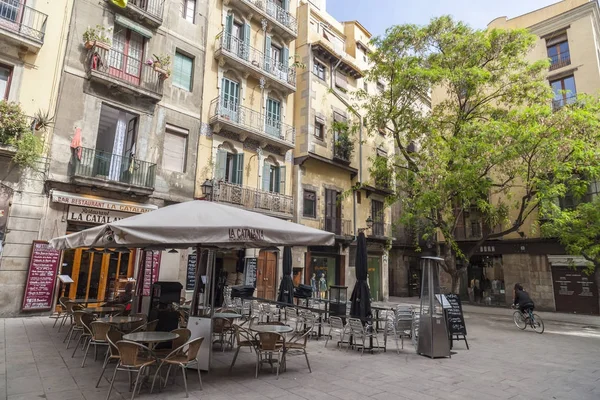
[[433, 331]]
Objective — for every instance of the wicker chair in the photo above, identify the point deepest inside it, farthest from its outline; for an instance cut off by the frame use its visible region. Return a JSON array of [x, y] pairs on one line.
[[85, 321], [184, 336], [98, 338], [61, 313], [76, 326], [134, 357], [71, 308], [269, 344], [184, 356], [222, 328], [112, 337], [243, 338], [297, 346]]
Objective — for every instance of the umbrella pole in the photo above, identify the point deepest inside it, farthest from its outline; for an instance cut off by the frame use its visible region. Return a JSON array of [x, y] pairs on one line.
[[200, 268]]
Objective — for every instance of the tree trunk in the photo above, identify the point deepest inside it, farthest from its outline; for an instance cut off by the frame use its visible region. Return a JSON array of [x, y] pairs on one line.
[[455, 275]]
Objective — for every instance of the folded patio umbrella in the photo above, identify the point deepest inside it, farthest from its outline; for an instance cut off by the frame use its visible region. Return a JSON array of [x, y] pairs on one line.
[[286, 287], [360, 301], [194, 223]]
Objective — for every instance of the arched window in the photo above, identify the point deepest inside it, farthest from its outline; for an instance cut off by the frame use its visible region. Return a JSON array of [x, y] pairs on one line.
[[230, 164]]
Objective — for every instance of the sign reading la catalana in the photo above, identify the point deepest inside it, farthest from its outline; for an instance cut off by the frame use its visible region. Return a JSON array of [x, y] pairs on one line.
[[242, 234], [77, 200], [95, 215]]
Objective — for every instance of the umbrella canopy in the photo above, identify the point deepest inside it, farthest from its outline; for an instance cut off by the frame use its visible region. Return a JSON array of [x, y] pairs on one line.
[[286, 287], [196, 223], [360, 301]]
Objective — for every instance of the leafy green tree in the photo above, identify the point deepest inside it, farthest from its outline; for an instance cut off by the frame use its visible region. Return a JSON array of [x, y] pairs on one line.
[[492, 141]]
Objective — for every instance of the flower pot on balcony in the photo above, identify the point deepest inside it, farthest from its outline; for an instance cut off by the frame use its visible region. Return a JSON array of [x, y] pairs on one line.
[[163, 76], [158, 68], [102, 45], [89, 44]]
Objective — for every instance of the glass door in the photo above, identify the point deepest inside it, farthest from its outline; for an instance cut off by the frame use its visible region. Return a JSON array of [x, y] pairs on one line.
[[373, 275], [273, 120], [230, 100], [126, 54]]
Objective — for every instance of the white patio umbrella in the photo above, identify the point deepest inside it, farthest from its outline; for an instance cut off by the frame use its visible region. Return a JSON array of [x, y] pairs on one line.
[[196, 223]]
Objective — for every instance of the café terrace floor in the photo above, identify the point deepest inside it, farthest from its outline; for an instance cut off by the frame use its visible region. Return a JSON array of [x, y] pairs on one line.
[[563, 363]]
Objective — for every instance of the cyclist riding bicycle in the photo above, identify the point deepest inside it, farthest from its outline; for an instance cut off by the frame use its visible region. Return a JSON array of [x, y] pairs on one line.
[[522, 300]]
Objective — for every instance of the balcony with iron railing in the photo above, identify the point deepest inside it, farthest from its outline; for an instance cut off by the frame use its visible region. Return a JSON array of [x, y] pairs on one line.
[[560, 60], [557, 104], [249, 123], [148, 12], [381, 229], [249, 59], [124, 72], [22, 25], [342, 152], [113, 172], [282, 22], [338, 226], [271, 203]]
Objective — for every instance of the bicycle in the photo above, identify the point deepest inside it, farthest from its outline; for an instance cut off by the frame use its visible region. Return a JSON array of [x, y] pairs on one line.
[[531, 319]]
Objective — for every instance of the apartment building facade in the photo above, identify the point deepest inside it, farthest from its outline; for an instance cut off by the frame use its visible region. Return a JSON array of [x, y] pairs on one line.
[[568, 33], [333, 187], [32, 50], [125, 133], [248, 136]]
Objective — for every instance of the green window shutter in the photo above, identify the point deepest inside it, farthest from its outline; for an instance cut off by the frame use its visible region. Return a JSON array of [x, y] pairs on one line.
[[285, 4], [182, 72], [221, 164], [285, 56], [268, 53], [266, 177], [238, 167], [246, 51], [228, 30], [281, 182]]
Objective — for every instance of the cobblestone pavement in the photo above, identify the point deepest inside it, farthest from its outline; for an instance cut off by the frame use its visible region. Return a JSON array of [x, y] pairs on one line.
[[503, 363]]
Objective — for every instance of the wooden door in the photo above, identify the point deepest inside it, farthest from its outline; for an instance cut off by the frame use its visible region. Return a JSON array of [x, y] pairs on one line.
[[333, 212], [266, 285]]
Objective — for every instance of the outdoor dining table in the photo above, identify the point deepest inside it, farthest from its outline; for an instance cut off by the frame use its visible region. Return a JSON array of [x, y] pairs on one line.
[[103, 310], [120, 320], [85, 301], [281, 329], [152, 338], [227, 315]]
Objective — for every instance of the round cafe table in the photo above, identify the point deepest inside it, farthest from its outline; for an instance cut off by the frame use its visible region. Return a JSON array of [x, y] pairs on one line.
[[118, 320], [103, 310], [281, 329], [85, 301], [152, 338]]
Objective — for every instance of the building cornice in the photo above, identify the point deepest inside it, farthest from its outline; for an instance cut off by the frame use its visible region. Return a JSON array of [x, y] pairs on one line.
[[563, 20]]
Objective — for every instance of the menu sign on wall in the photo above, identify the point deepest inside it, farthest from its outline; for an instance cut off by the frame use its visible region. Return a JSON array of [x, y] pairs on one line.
[[151, 269], [190, 278], [250, 272], [41, 277]]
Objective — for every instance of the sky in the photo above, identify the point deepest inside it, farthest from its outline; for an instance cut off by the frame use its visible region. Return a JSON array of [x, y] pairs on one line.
[[377, 15]]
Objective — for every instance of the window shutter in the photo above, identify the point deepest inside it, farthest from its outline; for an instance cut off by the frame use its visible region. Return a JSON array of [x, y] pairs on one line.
[[221, 164], [239, 169], [266, 177], [282, 179], [285, 56], [174, 149], [246, 51], [228, 30], [268, 53], [341, 80], [276, 178], [285, 4]]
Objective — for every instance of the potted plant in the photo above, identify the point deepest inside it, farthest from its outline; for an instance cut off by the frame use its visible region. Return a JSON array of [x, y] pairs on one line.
[[98, 36], [43, 120], [161, 64]]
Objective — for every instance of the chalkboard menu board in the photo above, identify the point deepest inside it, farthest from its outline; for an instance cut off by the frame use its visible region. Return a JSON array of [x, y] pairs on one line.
[[151, 266], [456, 320], [190, 278], [41, 277], [250, 272]]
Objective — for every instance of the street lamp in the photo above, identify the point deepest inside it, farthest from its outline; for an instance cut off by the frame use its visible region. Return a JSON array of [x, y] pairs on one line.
[[207, 189], [369, 222]]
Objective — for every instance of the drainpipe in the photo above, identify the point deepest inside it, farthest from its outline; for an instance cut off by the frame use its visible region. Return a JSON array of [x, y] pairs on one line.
[[340, 98]]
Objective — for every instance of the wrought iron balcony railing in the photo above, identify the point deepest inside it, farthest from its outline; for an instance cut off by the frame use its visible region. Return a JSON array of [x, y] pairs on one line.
[[381, 229], [252, 198], [152, 7], [235, 47], [560, 60], [126, 69], [341, 227], [341, 152], [23, 20], [107, 166], [251, 121], [277, 13]]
